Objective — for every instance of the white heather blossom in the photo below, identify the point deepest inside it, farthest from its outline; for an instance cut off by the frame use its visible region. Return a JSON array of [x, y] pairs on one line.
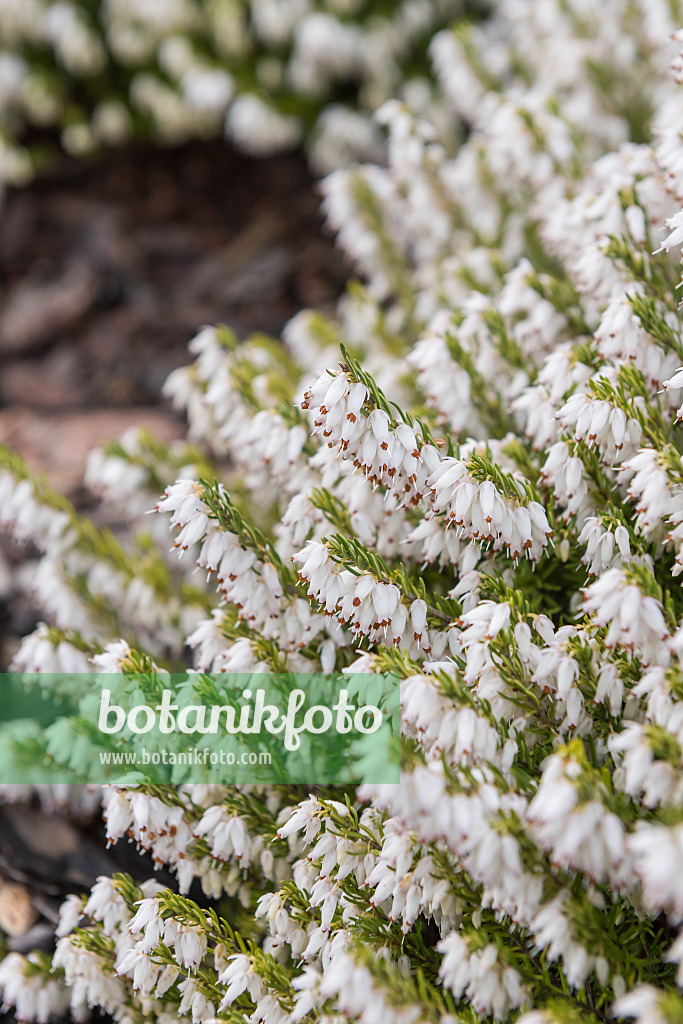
[[491, 987], [386, 454], [658, 499], [583, 835], [599, 423], [636, 622], [643, 1004], [566, 474], [605, 548], [467, 475], [653, 780], [33, 995], [657, 853], [205, 53], [481, 513], [259, 128]]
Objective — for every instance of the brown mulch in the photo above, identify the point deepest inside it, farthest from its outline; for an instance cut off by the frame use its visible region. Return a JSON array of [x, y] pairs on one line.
[[108, 269]]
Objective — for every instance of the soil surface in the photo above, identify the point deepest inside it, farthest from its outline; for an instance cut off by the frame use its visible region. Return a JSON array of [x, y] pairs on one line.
[[108, 270]]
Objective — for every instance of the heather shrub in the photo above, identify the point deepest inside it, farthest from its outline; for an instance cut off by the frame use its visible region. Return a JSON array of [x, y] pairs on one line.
[[470, 477], [266, 73]]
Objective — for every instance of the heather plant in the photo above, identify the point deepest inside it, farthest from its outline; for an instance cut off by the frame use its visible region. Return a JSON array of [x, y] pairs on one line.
[[266, 72], [471, 477]]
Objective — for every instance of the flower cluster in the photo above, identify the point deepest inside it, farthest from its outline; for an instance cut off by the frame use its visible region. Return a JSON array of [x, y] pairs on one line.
[[262, 72], [470, 477]]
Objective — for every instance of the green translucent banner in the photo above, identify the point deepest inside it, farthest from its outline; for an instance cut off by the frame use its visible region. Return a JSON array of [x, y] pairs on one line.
[[199, 728]]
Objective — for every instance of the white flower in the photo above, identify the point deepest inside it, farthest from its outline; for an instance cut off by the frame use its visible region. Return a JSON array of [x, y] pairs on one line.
[[643, 1003], [259, 128], [480, 512], [635, 621], [491, 987], [582, 835], [30, 992], [657, 852]]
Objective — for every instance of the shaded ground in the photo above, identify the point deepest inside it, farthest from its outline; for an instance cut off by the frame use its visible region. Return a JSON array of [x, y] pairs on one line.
[[107, 271], [44, 858]]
